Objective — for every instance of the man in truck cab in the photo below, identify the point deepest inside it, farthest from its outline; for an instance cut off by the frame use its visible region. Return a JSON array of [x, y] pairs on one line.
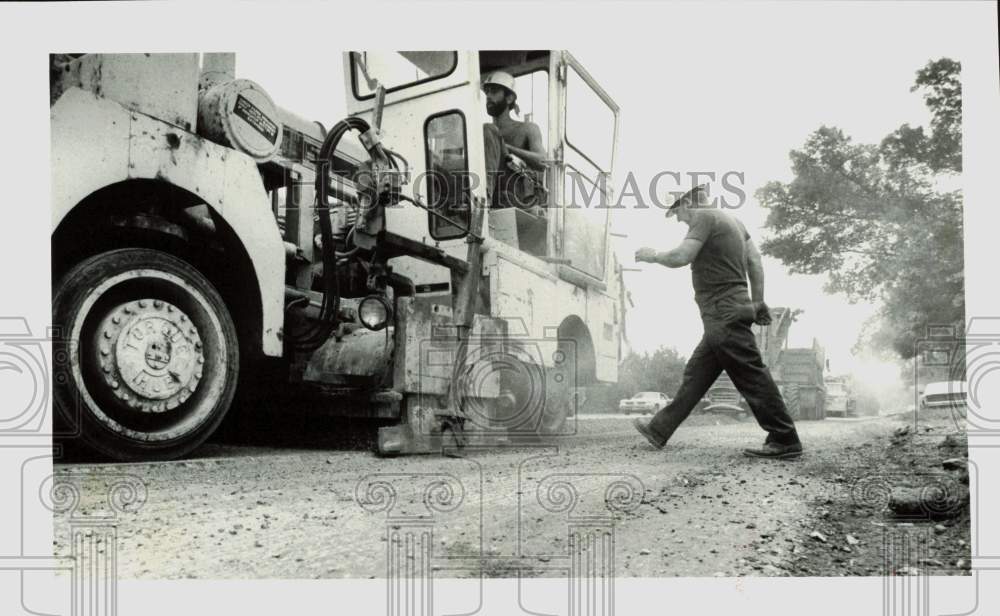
[[511, 183], [722, 257]]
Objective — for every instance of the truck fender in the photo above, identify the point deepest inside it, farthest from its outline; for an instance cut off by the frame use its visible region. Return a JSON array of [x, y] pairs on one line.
[[97, 142]]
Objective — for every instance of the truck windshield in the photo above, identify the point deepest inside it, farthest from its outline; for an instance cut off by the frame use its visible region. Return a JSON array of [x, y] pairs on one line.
[[398, 69]]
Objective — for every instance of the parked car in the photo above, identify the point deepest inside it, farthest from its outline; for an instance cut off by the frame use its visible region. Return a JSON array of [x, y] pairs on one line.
[[644, 402], [943, 394]]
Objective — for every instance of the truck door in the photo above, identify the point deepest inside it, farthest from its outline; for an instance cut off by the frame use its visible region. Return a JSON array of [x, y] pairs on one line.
[[430, 117], [587, 127]]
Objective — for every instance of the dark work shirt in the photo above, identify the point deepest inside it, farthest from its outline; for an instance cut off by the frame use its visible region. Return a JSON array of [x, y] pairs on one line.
[[719, 271]]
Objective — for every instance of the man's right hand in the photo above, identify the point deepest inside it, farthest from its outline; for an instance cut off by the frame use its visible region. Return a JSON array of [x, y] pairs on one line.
[[762, 314], [647, 255], [515, 163]]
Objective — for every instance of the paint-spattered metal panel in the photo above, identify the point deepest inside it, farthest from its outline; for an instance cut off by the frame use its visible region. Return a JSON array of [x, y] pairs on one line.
[[604, 330], [530, 300], [360, 357], [90, 148], [96, 143], [427, 351], [424, 361], [162, 85]]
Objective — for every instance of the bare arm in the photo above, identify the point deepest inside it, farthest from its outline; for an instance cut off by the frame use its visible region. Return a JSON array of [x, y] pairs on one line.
[[680, 256], [755, 271], [534, 156]]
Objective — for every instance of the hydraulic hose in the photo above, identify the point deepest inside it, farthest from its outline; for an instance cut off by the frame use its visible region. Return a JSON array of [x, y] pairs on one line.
[[330, 308]]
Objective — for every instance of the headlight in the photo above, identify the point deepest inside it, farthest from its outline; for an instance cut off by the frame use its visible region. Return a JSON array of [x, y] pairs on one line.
[[374, 312]]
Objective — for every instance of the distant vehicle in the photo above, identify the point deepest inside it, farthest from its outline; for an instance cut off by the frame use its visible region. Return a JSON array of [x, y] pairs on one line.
[[839, 400], [703, 404], [644, 402], [943, 394], [798, 372], [724, 398]]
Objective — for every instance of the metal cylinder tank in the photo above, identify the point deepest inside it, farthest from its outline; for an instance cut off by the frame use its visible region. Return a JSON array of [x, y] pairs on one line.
[[241, 115]]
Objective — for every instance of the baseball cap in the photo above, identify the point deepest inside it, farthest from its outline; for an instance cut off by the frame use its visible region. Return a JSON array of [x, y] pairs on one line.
[[694, 196]]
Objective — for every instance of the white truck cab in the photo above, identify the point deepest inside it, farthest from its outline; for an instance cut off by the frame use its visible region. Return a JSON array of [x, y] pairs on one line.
[[547, 273]]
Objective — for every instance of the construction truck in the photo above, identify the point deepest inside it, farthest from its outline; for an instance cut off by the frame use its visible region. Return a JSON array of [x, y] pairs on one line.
[[798, 373], [800, 378], [840, 400], [207, 241]]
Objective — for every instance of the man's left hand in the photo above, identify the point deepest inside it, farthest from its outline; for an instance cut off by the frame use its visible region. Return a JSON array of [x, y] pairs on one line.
[[647, 255], [762, 314]]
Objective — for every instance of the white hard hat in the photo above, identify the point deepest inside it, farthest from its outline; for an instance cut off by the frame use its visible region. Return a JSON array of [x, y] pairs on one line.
[[502, 79]]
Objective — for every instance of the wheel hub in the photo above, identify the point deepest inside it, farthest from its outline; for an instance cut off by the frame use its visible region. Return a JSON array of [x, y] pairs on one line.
[[150, 354]]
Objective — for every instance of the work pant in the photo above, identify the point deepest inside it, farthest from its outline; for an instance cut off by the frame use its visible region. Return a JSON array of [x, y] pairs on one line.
[[731, 347]]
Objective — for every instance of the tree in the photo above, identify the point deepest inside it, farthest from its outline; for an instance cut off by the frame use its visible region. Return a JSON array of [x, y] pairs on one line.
[[660, 371], [877, 220]]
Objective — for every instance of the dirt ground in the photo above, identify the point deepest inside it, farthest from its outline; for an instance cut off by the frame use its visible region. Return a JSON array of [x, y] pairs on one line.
[[329, 508]]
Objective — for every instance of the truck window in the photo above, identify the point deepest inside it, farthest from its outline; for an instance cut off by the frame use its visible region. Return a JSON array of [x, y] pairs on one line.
[[590, 137], [533, 98], [446, 149], [590, 123], [399, 69], [585, 217]]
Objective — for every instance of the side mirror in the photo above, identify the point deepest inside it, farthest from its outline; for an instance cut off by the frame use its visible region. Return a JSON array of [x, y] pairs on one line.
[[448, 190]]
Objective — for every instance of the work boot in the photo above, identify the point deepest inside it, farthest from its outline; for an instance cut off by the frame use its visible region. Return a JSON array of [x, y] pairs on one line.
[[644, 429], [775, 451]]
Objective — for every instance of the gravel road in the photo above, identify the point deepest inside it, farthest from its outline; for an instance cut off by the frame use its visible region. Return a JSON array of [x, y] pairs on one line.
[[697, 508]]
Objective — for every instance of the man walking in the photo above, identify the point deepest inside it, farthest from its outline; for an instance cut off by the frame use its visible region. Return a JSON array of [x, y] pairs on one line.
[[722, 256]]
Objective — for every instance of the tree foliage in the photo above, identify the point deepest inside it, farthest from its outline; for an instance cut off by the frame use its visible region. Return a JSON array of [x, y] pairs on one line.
[[878, 219], [658, 371]]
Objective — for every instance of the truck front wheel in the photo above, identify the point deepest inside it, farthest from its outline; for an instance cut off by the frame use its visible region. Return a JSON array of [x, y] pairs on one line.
[[150, 355]]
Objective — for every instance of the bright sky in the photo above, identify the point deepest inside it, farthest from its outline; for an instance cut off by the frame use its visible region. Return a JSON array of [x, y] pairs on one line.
[[729, 94], [746, 109]]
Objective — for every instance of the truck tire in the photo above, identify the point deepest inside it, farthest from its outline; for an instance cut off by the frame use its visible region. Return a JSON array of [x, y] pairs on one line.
[[151, 355]]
